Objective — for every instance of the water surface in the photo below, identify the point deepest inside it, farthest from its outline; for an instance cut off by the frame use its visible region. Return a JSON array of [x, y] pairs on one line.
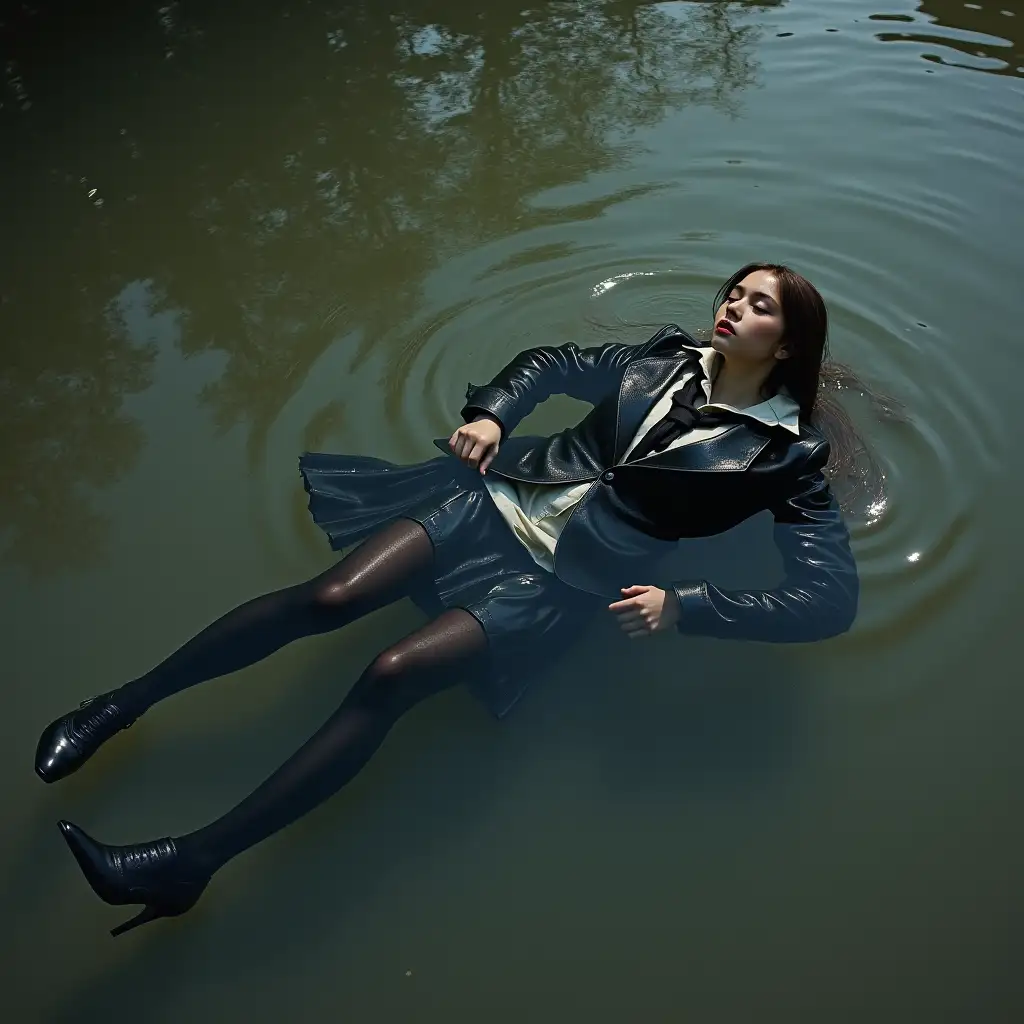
[[233, 232]]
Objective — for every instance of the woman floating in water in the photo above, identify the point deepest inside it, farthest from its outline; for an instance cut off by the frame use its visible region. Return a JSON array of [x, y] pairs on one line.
[[683, 441]]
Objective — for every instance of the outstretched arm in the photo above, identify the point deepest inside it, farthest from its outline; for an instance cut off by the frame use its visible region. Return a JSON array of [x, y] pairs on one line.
[[537, 373]]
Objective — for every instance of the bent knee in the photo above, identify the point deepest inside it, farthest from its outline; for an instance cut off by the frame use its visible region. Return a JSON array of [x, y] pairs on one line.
[[384, 683], [388, 666]]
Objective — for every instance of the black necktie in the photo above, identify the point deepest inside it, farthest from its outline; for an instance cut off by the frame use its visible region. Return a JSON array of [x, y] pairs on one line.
[[680, 418]]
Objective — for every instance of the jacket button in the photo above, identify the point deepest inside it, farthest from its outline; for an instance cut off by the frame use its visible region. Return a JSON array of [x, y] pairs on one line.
[[608, 476]]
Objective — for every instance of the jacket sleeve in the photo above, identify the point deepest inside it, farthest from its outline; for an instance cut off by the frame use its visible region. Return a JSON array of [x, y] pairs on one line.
[[818, 596], [537, 373]]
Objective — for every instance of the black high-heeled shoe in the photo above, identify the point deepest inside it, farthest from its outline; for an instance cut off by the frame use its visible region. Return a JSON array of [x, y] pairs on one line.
[[67, 743], [147, 873]]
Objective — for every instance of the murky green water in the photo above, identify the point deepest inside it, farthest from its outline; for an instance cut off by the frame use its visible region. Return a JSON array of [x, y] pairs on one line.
[[235, 231]]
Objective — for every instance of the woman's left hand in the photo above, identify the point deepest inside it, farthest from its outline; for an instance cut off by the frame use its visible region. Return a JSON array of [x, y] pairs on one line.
[[645, 610]]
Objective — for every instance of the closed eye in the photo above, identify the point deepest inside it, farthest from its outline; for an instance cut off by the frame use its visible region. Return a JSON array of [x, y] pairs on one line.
[[763, 310], [738, 294]]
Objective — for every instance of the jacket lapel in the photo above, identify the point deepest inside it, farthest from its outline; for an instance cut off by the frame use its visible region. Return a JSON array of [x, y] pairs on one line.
[[642, 384]]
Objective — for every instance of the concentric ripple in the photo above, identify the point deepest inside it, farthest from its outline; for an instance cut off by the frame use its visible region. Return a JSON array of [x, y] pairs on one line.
[[915, 551], [655, 256]]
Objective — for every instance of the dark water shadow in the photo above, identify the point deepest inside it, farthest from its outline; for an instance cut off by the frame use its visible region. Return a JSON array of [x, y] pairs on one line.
[[707, 720], [324, 161]]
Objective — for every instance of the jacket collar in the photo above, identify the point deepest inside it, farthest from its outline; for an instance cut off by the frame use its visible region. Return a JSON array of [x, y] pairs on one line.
[[778, 411], [736, 448]]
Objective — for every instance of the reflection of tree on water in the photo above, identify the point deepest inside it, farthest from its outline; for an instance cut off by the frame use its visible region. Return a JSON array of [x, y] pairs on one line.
[[63, 430], [438, 141], [992, 32], [298, 178]]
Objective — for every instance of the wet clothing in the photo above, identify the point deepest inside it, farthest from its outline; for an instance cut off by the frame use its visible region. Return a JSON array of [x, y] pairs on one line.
[[536, 513], [529, 615], [586, 520]]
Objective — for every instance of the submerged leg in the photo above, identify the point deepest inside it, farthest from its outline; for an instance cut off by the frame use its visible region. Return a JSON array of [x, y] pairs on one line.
[[169, 875], [429, 660], [374, 574], [380, 570]]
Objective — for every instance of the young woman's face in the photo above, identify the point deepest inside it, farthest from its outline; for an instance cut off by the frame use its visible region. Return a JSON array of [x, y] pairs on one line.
[[748, 325]]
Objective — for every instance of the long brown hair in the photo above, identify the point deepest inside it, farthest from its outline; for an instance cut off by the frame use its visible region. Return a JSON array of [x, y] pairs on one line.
[[812, 379]]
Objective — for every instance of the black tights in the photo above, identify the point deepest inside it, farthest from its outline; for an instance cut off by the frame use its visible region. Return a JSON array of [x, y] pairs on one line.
[[432, 658]]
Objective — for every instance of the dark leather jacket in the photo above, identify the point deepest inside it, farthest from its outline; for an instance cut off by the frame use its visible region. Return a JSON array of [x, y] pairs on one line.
[[694, 490]]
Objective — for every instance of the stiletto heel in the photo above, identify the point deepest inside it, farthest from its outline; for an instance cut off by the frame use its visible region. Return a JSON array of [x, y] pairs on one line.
[[69, 741], [148, 873], [144, 916]]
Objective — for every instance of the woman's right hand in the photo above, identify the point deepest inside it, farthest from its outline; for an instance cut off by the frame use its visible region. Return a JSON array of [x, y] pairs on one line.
[[476, 443]]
